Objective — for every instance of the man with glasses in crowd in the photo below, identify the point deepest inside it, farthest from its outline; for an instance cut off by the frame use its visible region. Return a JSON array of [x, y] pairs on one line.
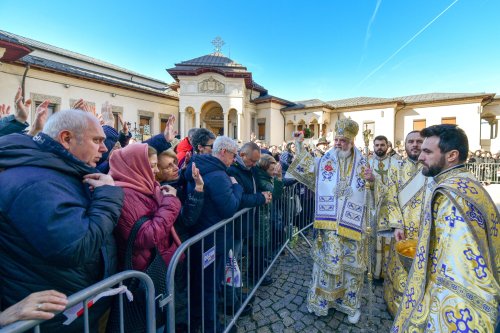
[[222, 197]]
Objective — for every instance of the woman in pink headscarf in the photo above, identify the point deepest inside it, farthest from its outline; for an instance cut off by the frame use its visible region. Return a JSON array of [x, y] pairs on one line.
[[133, 168]]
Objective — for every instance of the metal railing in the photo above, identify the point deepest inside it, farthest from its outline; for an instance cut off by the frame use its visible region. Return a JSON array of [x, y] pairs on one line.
[[86, 295], [204, 290], [486, 173], [217, 293]]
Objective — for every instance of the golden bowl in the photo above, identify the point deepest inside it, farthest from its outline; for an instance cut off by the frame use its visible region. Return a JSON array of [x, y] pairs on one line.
[[406, 250]]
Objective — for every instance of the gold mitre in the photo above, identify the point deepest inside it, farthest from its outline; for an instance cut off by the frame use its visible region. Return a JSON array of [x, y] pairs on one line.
[[347, 128]]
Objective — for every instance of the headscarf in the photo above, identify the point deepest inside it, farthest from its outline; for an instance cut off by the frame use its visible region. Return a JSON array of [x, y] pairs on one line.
[[130, 168]]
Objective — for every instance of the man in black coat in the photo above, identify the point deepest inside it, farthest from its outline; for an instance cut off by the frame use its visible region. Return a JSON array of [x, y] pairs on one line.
[[57, 213], [241, 170]]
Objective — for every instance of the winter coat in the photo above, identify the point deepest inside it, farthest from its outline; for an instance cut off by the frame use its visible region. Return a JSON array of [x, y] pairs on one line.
[[191, 208], [221, 197], [54, 232], [275, 186], [130, 169], [9, 125], [251, 197], [182, 149], [244, 176]]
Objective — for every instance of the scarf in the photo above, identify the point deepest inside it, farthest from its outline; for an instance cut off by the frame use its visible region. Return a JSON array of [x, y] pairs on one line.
[[340, 199]]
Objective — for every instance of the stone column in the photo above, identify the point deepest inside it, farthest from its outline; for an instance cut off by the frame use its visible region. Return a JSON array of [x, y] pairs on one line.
[[238, 125], [226, 125], [197, 118], [182, 123], [295, 128]]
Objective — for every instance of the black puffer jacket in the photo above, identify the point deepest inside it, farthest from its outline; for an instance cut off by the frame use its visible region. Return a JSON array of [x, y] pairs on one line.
[[54, 232], [244, 177]]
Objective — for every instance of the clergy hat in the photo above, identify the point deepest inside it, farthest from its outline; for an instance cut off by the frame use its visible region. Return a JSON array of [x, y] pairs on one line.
[[346, 128]]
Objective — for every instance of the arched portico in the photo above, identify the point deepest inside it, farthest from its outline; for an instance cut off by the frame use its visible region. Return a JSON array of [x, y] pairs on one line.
[[213, 117]]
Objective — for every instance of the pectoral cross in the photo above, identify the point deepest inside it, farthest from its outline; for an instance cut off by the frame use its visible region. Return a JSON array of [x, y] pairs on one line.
[[381, 171]]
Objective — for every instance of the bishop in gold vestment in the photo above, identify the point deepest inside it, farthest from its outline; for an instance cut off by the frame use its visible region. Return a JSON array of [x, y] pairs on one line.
[[338, 251], [454, 280]]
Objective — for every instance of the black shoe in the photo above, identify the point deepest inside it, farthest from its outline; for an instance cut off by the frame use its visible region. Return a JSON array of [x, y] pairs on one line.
[[267, 281], [247, 310]]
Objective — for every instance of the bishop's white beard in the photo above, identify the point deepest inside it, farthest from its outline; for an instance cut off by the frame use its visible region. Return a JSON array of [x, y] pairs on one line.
[[343, 154]]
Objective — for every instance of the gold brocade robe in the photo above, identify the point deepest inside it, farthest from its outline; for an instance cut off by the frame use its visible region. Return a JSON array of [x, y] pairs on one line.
[[454, 280], [339, 262], [406, 212], [385, 171]]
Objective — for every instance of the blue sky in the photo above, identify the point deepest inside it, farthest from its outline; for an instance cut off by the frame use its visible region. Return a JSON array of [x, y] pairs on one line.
[[298, 50]]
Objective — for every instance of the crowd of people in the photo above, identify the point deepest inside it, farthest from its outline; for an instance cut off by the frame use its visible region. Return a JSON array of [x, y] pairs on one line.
[[73, 187]]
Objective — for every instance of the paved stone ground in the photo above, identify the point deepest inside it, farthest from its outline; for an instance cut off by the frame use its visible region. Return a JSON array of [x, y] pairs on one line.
[[281, 307]]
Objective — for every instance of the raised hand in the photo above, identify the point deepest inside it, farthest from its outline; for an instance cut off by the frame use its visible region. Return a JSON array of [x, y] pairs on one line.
[[41, 115], [84, 106], [169, 132], [107, 114], [4, 110], [123, 124], [22, 109], [198, 180], [187, 158]]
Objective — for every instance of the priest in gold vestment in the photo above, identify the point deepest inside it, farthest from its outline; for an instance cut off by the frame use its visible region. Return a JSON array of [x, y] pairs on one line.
[[383, 174], [405, 202], [453, 284], [338, 251]]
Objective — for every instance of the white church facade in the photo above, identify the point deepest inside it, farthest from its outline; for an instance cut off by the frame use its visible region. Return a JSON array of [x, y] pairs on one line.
[[217, 93]]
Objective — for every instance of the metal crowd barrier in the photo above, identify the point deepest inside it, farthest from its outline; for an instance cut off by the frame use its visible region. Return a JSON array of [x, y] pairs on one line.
[[85, 296], [486, 173], [207, 290]]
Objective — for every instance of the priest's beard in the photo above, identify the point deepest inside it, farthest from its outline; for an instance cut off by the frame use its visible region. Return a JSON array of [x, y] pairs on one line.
[[435, 169], [343, 154], [381, 152]]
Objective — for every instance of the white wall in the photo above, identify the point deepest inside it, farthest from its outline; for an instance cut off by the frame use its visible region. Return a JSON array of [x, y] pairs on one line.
[[383, 118], [467, 117], [38, 82]]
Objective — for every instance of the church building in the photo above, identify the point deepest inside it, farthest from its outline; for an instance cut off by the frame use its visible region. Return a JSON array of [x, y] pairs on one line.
[[217, 93]]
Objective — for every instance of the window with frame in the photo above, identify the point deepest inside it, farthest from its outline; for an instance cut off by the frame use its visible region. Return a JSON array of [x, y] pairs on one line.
[[145, 125], [116, 122], [449, 120], [262, 131], [163, 124], [419, 124], [52, 107], [369, 125]]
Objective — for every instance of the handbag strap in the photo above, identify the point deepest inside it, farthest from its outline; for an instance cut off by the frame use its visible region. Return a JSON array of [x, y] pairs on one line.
[[131, 241]]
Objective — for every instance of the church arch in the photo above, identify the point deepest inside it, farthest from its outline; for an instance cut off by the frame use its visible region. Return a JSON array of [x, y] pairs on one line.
[[212, 117]]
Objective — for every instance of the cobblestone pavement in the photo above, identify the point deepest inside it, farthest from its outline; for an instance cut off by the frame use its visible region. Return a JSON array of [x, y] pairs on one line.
[[281, 306]]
